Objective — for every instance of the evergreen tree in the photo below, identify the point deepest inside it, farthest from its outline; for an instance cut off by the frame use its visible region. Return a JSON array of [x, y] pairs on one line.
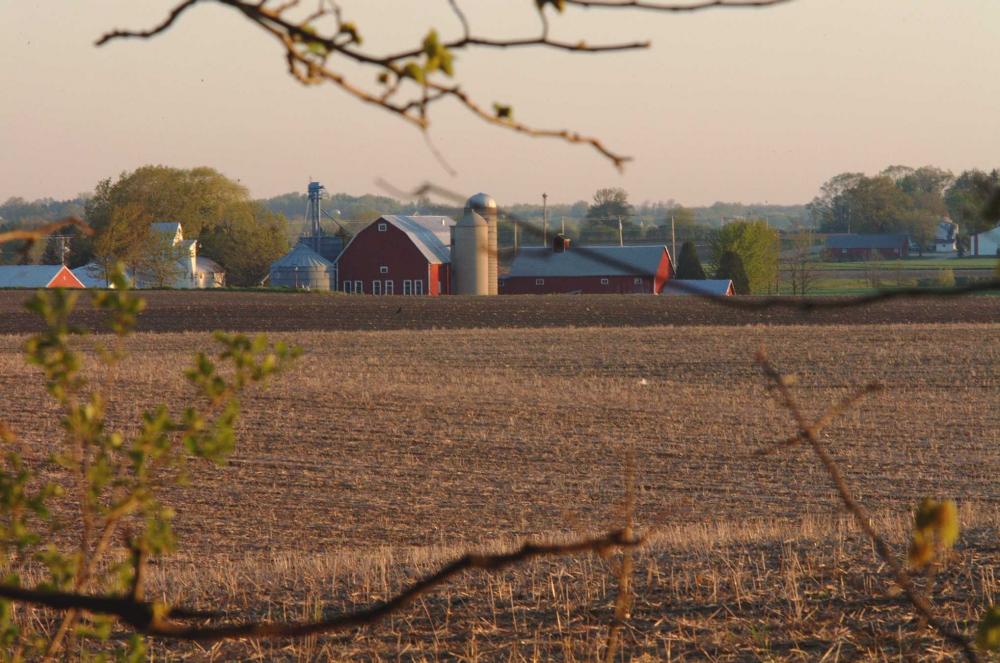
[[731, 267], [688, 264]]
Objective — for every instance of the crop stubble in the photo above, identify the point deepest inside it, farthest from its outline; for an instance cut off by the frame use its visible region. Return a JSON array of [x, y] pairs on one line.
[[379, 441]]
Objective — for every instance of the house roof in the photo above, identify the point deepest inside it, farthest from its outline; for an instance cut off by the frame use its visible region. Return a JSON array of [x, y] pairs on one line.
[[169, 228], [856, 241], [538, 261], [301, 257], [989, 233], [29, 276], [90, 275], [697, 287], [430, 234]]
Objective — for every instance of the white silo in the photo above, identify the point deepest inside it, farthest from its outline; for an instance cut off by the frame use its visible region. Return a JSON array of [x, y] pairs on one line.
[[483, 205], [470, 255]]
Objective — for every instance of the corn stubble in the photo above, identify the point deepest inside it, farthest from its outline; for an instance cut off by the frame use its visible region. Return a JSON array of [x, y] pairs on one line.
[[383, 454]]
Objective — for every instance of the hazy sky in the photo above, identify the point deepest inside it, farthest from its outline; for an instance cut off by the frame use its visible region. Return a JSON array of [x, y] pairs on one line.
[[727, 105]]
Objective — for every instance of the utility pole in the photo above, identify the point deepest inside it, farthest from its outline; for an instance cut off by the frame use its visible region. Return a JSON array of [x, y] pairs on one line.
[[545, 219], [673, 239], [621, 233]]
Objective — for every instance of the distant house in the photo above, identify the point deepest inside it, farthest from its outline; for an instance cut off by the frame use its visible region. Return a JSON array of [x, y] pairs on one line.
[[590, 269], [717, 287], [986, 243], [192, 270], [946, 237], [862, 247], [38, 276]]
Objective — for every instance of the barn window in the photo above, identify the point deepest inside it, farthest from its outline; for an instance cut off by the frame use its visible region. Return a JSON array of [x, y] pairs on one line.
[[407, 287], [388, 287], [637, 280], [418, 287], [376, 287], [383, 269], [604, 281], [382, 227], [539, 281], [359, 288], [346, 286]]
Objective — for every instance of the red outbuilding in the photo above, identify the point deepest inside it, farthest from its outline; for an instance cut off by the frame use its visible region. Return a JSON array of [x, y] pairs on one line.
[[398, 255], [38, 276], [588, 269]]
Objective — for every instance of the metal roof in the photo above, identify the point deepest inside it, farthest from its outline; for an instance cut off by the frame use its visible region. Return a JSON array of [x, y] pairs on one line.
[[207, 265], [90, 275], [301, 257], [879, 241], [28, 276], [430, 234], [697, 287], [538, 261]]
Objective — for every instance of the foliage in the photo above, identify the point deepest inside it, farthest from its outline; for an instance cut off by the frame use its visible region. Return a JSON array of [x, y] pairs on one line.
[[757, 246], [730, 266], [946, 278], [798, 261], [935, 530], [238, 233], [988, 635], [110, 479], [968, 198], [688, 263]]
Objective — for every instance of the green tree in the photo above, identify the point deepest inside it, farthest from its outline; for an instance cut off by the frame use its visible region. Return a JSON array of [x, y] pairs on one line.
[[249, 239], [967, 199], [610, 207], [122, 238], [688, 263], [731, 267], [757, 246]]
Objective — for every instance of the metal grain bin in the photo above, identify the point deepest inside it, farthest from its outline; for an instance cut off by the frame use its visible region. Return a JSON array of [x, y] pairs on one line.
[[303, 269]]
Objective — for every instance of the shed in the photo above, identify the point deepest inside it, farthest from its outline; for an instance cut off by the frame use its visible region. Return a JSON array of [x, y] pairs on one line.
[[38, 276], [398, 255], [588, 269], [986, 243], [860, 247], [715, 287]]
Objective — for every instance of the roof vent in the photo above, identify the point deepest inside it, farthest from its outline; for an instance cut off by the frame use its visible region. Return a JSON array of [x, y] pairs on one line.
[[560, 243]]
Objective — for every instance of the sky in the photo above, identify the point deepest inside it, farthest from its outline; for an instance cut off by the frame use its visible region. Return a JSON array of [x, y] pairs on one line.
[[736, 105]]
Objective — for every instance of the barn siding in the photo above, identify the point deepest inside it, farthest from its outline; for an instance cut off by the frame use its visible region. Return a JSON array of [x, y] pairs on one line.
[[65, 279]]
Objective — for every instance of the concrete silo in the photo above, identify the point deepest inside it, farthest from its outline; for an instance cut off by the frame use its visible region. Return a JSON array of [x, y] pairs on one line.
[[303, 269], [470, 255], [483, 205]]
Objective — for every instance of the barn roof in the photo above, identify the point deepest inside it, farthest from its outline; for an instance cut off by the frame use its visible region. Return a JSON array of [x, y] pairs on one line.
[[538, 261], [29, 276], [697, 287], [90, 275], [856, 241], [430, 234], [301, 257]]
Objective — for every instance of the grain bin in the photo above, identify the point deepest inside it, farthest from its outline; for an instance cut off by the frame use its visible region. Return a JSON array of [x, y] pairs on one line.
[[483, 205], [302, 269], [470, 255]]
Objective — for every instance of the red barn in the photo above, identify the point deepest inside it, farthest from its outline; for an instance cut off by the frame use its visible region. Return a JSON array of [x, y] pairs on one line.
[[588, 269], [865, 247], [38, 276], [398, 255]]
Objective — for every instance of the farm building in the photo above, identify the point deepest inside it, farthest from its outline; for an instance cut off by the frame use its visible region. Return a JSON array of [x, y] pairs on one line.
[[590, 269], [38, 276], [986, 243], [946, 237], [717, 287], [302, 269], [398, 255], [861, 247]]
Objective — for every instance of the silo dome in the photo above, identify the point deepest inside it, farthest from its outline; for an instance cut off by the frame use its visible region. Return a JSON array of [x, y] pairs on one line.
[[481, 202]]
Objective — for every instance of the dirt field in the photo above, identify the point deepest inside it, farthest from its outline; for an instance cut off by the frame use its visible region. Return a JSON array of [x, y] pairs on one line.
[[384, 453], [263, 311]]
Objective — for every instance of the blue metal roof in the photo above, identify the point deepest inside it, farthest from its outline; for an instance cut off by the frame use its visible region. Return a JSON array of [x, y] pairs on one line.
[[28, 276], [430, 234], [697, 287], [540, 261]]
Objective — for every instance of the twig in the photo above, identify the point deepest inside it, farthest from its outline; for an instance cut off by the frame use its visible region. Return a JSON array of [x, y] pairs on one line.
[[864, 520], [155, 620]]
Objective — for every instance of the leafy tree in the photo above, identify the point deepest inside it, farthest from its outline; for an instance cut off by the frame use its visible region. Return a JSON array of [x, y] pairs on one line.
[[610, 207], [967, 199], [731, 267], [757, 246], [249, 239], [124, 237], [798, 261], [688, 263]]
